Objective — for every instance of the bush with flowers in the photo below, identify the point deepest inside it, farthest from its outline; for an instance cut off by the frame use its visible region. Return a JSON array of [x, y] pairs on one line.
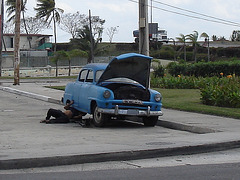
[[223, 93], [219, 90]]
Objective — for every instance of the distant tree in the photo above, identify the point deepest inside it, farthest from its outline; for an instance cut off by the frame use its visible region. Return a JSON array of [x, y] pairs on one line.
[[8, 27], [222, 38], [235, 35], [83, 42], [34, 25], [193, 39], [74, 53], [67, 55], [58, 55], [97, 26], [111, 32], [205, 35], [214, 38], [72, 22], [11, 14], [182, 39], [47, 9]]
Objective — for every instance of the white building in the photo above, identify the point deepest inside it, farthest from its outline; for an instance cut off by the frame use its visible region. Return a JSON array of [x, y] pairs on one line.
[[37, 41]]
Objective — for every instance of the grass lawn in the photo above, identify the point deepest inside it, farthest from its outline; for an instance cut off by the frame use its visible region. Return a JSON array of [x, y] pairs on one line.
[[189, 100]]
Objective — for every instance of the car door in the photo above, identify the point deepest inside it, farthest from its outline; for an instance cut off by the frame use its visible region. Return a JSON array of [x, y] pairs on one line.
[[87, 90], [79, 90]]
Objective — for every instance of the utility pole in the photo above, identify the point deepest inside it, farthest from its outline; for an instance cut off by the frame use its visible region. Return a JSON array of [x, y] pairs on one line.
[[91, 36], [143, 28], [16, 43], [1, 33], [151, 11]]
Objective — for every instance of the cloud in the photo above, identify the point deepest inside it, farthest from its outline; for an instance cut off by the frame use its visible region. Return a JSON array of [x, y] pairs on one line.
[[124, 13], [65, 6], [113, 7]]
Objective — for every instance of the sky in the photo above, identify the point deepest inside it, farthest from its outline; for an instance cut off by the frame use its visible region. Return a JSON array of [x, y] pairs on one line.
[[124, 15]]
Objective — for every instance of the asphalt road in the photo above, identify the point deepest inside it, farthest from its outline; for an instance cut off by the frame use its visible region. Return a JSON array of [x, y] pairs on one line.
[[198, 172], [223, 165]]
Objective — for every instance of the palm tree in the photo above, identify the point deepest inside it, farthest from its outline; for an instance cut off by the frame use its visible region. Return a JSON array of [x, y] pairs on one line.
[[193, 38], [46, 9], [83, 41], [11, 14], [59, 55], [182, 39], [205, 35], [67, 55], [74, 53]]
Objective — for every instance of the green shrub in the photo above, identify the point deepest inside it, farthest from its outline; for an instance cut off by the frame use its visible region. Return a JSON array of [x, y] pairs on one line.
[[159, 71], [223, 93], [175, 82], [203, 69], [164, 53]]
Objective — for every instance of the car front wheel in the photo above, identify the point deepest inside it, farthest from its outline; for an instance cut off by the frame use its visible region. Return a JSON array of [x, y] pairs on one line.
[[150, 121], [99, 119]]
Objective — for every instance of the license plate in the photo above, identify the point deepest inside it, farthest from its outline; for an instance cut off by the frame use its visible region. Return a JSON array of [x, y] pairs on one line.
[[132, 112]]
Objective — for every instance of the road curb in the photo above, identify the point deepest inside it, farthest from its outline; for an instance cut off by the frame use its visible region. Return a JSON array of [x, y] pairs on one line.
[[183, 127], [30, 95], [115, 156]]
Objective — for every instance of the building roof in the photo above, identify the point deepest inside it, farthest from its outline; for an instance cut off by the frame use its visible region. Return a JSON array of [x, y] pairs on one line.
[[9, 34]]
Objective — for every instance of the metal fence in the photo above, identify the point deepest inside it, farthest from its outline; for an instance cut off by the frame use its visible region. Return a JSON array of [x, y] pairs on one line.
[[31, 62]]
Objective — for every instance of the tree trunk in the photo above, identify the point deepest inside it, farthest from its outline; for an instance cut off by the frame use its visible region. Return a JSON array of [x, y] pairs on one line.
[[1, 34], [56, 68], [185, 53], [17, 42], [195, 53], [55, 33], [25, 27], [69, 66]]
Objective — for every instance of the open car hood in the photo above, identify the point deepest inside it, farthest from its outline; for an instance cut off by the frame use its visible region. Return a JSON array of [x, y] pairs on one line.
[[133, 66]]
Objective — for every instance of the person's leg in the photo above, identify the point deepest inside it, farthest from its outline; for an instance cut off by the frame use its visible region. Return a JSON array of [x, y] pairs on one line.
[[62, 119], [54, 113]]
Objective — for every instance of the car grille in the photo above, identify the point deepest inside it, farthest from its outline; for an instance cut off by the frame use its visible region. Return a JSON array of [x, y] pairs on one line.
[[126, 105]]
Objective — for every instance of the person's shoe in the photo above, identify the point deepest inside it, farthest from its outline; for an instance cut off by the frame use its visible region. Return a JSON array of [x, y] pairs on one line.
[[82, 123]]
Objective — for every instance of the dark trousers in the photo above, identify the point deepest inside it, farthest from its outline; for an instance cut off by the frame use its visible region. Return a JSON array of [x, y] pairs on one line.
[[59, 116]]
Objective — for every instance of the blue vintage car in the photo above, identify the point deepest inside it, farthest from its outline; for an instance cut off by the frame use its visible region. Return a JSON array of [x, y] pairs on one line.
[[116, 90]]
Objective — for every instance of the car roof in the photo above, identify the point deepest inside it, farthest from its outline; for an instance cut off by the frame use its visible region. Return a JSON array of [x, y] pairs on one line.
[[129, 55], [96, 66]]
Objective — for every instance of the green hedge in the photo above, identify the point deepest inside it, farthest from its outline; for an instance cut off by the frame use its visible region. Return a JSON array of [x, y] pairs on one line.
[[203, 69]]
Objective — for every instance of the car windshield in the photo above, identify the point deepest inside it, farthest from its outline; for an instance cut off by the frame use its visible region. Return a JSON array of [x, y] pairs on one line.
[[98, 75]]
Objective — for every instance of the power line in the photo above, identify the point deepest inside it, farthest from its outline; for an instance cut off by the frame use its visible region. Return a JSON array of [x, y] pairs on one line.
[[196, 17], [231, 22]]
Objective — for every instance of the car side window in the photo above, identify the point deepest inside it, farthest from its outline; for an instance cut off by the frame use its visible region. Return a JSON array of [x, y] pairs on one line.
[[83, 75], [90, 76]]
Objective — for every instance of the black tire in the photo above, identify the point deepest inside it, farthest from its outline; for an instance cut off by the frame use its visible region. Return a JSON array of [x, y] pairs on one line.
[[150, 121], [99, 119]]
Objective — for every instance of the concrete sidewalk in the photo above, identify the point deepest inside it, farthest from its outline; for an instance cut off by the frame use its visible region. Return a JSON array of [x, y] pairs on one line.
[[193, 133]]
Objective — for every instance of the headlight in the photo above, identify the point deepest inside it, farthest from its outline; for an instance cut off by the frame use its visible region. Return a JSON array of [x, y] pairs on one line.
[[106, 94], [158, 97]]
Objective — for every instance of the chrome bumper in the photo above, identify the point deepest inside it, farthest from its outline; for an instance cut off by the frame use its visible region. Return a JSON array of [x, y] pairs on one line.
[[130, 112]]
